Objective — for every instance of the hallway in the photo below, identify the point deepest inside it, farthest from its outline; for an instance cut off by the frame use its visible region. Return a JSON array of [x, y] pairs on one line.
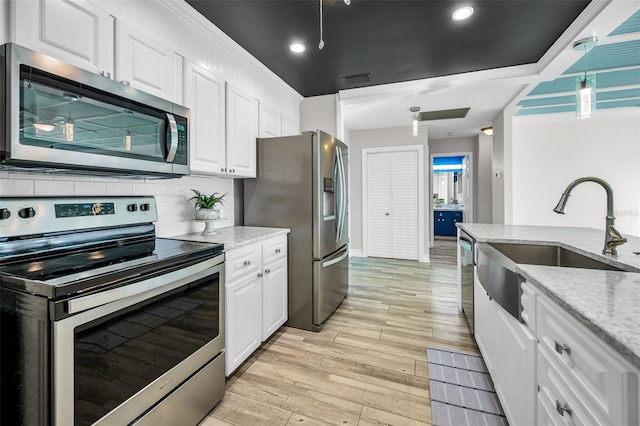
[[368, 366]]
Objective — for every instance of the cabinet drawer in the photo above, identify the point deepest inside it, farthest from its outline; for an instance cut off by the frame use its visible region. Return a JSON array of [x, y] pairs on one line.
[[597, 374], [274, 249], [243, 261], [556, 399], [457, 216]]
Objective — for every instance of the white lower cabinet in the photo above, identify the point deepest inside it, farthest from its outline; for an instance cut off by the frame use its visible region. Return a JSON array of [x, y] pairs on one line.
[[274, 297], [509, 351], [256, 297], [580, 374], [243, 312]]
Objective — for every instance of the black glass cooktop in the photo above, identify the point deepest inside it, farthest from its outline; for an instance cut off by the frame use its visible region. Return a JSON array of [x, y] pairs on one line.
[[68, 267]]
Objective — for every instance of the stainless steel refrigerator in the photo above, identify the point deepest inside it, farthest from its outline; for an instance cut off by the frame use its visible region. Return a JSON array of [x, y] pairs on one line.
[[302, 184]]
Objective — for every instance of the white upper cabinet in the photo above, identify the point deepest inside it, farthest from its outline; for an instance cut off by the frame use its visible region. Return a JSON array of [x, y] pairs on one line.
[[290, 127], [146, 64], [270, 122], [74, 31], [242, 131], [204, 95]]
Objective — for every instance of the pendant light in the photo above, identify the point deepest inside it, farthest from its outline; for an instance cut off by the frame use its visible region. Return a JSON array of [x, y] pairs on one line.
[[416, 112], [585, 84], [321, 44]]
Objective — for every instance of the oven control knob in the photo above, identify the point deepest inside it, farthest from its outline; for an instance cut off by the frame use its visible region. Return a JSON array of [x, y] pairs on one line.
[[27, 212], [144, 207], [132, 207], [5, 214]]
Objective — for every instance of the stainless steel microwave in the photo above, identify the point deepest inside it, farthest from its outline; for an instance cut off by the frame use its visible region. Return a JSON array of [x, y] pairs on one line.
[[59, 117]]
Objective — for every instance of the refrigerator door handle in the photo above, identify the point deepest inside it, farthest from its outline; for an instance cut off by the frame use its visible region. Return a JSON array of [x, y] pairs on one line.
[[336, 260], [343, 191], [338, 201]]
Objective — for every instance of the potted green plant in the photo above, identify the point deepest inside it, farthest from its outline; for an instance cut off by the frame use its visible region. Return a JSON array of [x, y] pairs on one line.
[[205, 205]]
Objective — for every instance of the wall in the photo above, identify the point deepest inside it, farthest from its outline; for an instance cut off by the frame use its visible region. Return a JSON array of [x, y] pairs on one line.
[[483, 183], [175, 24], [4, 29], [497, 168], [320, 112], [360, 139], [551, 151]]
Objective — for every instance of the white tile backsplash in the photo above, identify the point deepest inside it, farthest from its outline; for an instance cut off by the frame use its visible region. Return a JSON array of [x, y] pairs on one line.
[[16, 186], [175, 210], [53, 187], [90, 188]]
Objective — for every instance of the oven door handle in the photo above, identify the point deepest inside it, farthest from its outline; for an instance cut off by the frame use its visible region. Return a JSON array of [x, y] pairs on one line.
[[167, 282]]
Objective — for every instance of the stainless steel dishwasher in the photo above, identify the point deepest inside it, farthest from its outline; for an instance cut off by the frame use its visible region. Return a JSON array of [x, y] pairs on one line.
[[466, 248]]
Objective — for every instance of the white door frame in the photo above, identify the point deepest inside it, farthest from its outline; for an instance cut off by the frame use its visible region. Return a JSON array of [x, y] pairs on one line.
[[421, 236], [468, 211]]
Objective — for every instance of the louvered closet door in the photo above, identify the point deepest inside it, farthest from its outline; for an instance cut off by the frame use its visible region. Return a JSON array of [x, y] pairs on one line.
[[392, 204], [379, 204], [404, 199]]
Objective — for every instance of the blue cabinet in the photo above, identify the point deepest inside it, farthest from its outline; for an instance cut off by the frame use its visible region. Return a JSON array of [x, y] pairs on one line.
[[444, 222]]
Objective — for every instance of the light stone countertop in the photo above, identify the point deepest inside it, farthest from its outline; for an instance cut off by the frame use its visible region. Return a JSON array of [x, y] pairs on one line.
[[235, 237], [606, 302]]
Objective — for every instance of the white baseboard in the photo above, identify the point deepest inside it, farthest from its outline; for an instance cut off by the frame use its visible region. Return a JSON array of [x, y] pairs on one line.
[[426, 258], [356, 253]]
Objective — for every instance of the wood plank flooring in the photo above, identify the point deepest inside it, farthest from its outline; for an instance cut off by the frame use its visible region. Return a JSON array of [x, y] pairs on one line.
[[368, 365]]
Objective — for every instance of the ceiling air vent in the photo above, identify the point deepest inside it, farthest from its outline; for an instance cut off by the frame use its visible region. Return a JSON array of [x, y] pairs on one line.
[[444, 114], [358, 78]]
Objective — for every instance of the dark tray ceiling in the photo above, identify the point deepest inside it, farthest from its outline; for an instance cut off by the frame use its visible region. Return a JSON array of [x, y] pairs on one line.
[[394, 41]]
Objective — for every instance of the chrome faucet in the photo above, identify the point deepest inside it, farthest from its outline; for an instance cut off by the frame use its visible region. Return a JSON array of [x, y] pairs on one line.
[[612, 238]]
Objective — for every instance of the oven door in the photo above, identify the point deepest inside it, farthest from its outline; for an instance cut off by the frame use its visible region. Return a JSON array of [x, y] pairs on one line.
[[123, 350]]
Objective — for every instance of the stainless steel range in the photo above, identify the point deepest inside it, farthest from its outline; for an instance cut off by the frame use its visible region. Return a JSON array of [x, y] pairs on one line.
[[102, 322]]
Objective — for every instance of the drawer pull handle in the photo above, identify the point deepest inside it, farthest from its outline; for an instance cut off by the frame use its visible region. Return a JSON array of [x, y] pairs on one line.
[[277, 250], [260, 275], [247, 263], [560, 347], [563, 408], [266, 271]]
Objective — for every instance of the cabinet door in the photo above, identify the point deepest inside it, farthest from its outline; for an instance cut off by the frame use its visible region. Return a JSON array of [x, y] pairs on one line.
[[270, 122], [509, 351], [146, 64], [274, 297], [242, 120], [204, 95], [243, 320], [74, 31], [290, 127]]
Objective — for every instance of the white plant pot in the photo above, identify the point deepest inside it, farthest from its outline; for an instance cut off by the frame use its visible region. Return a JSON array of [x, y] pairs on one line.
[[207, 214]]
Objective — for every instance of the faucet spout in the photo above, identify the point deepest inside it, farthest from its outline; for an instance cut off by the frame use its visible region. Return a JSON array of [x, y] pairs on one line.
[[613, 238]]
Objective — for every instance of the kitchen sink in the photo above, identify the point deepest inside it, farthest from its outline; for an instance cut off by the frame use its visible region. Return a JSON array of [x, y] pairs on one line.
[[550, 255], [497, 271]]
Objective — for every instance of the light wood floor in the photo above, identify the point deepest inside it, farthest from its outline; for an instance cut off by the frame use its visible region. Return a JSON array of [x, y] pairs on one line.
[[368, 365]]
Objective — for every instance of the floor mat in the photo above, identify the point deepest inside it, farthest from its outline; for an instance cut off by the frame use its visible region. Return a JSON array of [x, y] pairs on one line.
[[461, 390]]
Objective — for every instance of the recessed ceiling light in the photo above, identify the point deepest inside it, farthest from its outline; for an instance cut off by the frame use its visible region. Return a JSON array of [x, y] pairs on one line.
[[297, 47], [462, 13]]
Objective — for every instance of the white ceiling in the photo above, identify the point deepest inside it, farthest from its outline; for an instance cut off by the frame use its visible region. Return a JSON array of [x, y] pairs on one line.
[[487, 93]]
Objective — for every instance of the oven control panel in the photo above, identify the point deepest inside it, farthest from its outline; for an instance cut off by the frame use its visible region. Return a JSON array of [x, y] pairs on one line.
[[39, 215]]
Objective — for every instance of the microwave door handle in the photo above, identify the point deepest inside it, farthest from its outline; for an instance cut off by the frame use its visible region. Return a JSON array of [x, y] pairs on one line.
[[173, 147]]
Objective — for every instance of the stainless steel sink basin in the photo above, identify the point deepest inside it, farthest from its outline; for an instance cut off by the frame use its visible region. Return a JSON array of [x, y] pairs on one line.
[[550, 255], [496, 266]]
